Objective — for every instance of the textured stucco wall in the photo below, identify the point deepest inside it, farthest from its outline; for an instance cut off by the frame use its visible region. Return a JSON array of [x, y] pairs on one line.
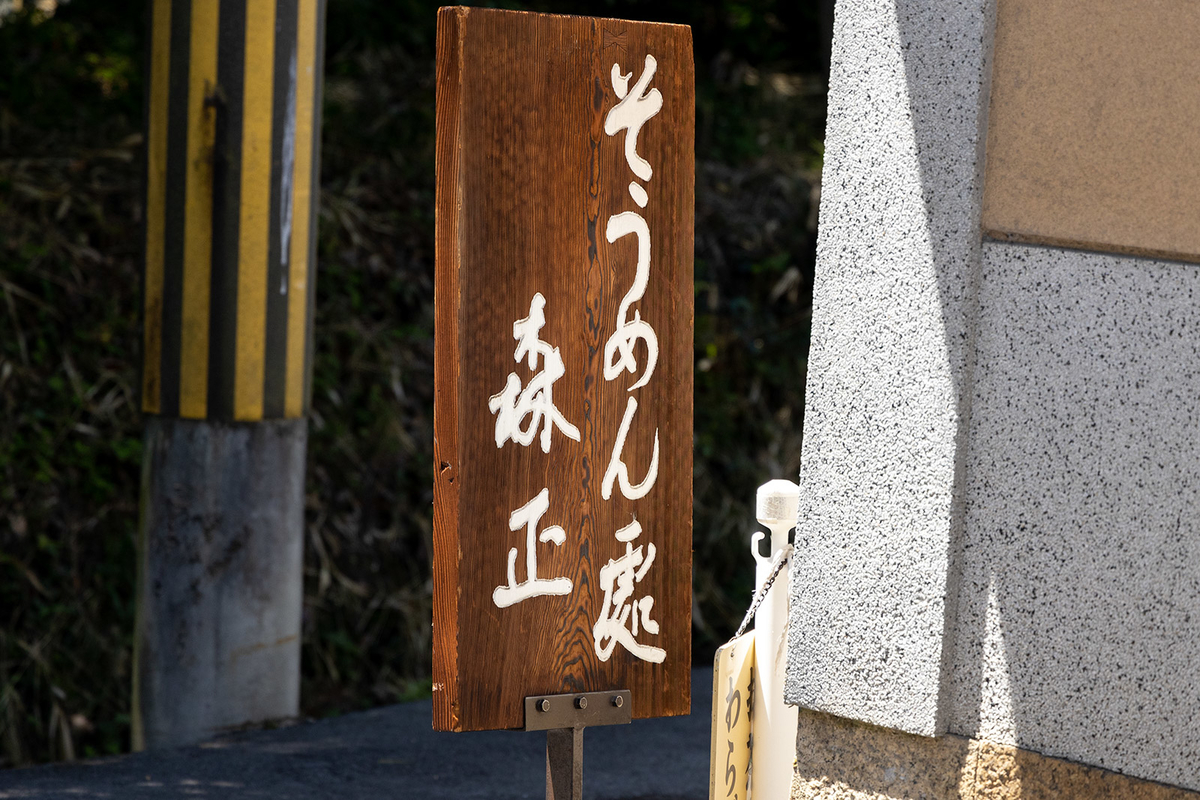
[[1078, 631], [888, 379], [999, 529]]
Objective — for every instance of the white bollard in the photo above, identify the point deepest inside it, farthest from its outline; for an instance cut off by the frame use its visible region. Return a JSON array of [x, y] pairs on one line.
[[773, 722]]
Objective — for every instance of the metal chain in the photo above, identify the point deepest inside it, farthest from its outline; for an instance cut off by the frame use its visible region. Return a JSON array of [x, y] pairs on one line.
[[781, 558]]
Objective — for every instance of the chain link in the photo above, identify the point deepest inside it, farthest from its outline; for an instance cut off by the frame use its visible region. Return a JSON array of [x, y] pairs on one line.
[[781, 558]]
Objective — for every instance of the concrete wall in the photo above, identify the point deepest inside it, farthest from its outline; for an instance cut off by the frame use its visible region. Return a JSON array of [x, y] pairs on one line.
[[1000, 480], [1078, 631], [888, 372]]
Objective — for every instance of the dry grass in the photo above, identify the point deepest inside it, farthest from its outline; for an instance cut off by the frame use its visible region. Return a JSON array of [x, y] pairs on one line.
[[70, 337]]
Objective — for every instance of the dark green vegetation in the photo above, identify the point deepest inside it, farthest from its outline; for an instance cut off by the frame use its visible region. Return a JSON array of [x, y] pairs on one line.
[[71, 89]]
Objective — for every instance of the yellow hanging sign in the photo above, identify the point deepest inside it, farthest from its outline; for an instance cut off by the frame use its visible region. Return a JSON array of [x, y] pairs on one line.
[[733, 691]]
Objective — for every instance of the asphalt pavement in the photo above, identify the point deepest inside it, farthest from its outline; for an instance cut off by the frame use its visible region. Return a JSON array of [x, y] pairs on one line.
[[392, 752]]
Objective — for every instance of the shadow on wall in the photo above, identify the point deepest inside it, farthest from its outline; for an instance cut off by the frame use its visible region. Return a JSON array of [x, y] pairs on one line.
[[1080, 598], [1077, 570], [947, 110], [1059, 393]]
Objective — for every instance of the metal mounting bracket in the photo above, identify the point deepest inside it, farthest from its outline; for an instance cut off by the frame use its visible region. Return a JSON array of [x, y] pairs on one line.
[[563, 717], [548, 711]]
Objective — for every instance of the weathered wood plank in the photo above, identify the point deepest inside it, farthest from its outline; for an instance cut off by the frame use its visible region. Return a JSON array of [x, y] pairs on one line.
[[531, 189]]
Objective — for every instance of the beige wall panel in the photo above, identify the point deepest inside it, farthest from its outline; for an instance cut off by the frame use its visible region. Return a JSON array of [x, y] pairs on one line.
[[838, 759], [1093, 136]]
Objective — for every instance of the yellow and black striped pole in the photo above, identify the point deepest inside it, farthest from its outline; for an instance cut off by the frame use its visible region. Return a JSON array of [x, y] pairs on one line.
[[232, 159], [231, 173]]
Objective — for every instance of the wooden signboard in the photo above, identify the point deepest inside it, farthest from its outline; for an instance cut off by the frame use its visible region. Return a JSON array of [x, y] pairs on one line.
[[563, 412]]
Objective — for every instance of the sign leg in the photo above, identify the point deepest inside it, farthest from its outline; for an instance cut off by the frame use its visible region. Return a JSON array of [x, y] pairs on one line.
[[564, 764]]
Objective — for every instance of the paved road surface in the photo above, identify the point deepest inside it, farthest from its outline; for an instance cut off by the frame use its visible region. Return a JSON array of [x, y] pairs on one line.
[[391, 753]]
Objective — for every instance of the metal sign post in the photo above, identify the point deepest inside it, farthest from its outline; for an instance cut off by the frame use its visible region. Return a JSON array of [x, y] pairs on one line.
[[563, 717]]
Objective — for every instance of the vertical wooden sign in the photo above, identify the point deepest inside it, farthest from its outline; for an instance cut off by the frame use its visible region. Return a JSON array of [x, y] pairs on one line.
[[563, 410]]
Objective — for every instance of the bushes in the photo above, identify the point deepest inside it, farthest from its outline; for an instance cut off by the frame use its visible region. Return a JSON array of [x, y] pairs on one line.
[[70, 208], [69, 429]]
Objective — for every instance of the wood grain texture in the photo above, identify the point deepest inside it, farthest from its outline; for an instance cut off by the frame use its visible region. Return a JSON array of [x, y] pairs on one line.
[[527, 180]]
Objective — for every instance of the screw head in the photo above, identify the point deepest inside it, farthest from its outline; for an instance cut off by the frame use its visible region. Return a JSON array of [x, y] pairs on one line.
[[581, 702], [618, 701], [543, 705]]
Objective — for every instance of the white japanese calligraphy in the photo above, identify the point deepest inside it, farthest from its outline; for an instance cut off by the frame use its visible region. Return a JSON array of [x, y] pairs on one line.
[[629, 331], [513, 404], [618, 471], [631, 113], [528, 516], [621, 615], [638, 194]]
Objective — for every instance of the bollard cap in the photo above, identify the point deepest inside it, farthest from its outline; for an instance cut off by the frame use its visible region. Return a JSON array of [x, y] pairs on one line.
[[778, 502]]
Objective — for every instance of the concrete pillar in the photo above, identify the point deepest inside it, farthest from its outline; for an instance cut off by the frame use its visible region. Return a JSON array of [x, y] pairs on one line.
[[888, 397], [231, 170], [220, 562]]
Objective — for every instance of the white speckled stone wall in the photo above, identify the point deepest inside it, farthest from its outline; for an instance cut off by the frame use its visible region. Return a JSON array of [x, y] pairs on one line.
[[888, 380], [999, 528], [1078, 631]]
